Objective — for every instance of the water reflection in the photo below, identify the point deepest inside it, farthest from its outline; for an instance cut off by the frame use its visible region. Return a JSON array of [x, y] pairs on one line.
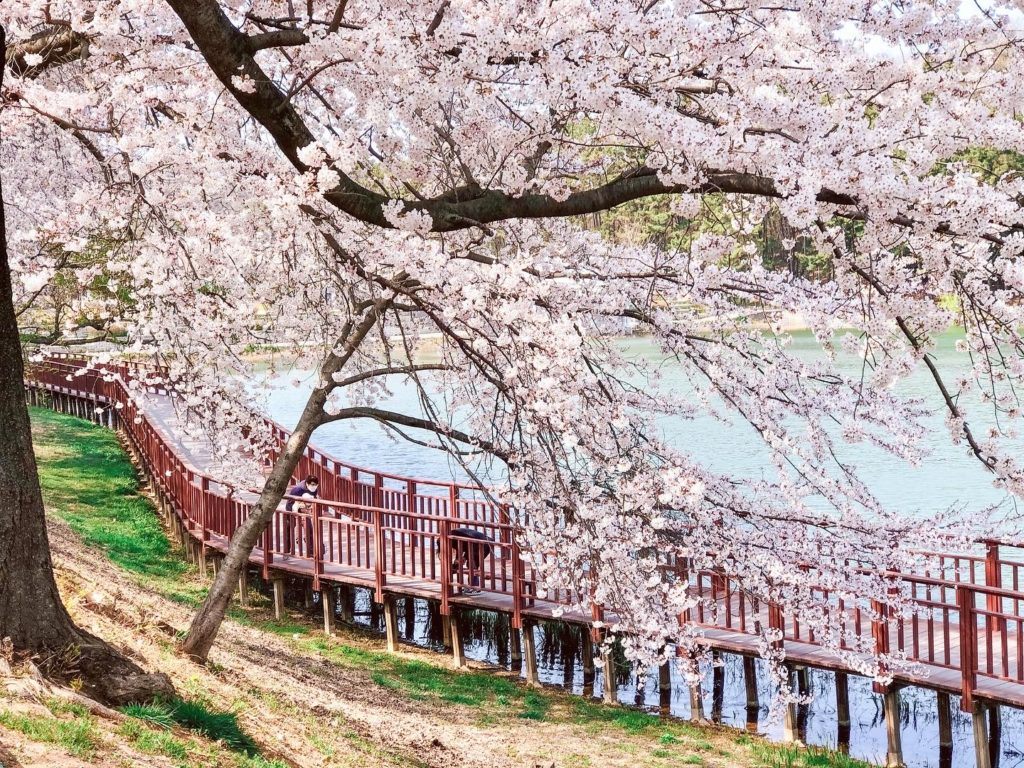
[[844, 712]]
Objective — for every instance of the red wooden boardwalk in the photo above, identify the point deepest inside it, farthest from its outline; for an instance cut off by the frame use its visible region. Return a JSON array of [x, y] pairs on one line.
[[393, 534]]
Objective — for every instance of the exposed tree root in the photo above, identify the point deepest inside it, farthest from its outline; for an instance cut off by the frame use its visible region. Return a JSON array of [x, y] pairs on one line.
[[89, 672]]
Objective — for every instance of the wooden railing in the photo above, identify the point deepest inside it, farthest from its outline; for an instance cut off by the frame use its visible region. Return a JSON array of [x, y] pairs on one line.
[[396, 531]]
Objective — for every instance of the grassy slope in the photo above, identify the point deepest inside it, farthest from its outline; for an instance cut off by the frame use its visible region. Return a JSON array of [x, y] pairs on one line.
[[88, 482]]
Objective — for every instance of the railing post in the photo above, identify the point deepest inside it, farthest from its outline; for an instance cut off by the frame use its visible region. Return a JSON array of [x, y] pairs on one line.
[[453, 502], [993, 578], [324, 474], [318, 546], [518, 576], [268, 542], [378, 565], [968, 646], [880, 634], [204, 506], [777, 621], [410, 512], [444, 527]]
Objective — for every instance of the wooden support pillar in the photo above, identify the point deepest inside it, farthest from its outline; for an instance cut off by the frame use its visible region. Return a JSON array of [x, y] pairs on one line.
[[278, 598], [665, 687], [803, 681], [843, 699], [327, 598], [515, 646], [790, 729], [891, 709], [803, 687], [982, 756], [717, 688], [995, 732], [530, 653], [243, 588], [345, 596], [409, 606], [307, 595], [446, 630], [843, 712], [455, 639], [202, 559], [750, 684], [608, 676], [665, 677], [391, 623], [942, 704], [216, 561], [588, 655]]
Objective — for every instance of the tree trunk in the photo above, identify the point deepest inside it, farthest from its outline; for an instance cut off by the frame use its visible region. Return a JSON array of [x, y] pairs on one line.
[[32, 615], [207, 621]]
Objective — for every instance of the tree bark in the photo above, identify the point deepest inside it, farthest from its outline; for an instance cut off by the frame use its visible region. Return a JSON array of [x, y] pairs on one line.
[[32, 615], [210, 616]]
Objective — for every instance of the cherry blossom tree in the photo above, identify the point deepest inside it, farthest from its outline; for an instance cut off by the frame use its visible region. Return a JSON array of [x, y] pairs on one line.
[[400, 191], [32, 617]]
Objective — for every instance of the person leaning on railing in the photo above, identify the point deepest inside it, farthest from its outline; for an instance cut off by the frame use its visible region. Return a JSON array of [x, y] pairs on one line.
[[308, 488], [469, 553]]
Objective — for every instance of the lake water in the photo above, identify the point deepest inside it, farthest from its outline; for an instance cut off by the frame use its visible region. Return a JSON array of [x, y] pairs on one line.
[[947, 478]]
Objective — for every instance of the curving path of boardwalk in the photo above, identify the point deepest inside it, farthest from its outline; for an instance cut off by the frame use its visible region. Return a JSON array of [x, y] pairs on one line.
[[393, 534]]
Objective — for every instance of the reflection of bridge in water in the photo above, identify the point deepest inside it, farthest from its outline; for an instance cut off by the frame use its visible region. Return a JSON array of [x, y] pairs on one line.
[[393, 535]]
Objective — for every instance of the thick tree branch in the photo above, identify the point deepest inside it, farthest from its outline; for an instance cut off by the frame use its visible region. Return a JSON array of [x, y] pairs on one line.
[[406, 370], [279, 38], [402, 419], [55, 46]]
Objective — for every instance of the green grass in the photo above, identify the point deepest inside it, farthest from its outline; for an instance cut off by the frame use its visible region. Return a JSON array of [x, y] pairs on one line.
[[149, 730], [153, 741], [88, 481], [791, 756], [77, 735], [196, 716], [420, 680]]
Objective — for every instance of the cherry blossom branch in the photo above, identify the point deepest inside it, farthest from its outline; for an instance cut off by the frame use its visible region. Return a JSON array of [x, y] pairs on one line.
[[405, 420]]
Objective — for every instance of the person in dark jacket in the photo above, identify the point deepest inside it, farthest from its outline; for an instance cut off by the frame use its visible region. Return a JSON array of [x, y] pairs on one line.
[[469, 553], [308, 488], [310, 485]]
